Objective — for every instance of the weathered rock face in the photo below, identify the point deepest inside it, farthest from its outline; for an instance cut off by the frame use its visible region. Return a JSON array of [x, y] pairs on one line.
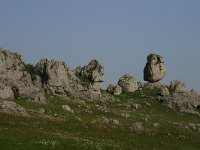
[[185, 101], [57, 78], [164, 91], [93, 73], [114, 89], [155, 68], [177, 86], [15, 79], [11, 65], [6, 92], [128, 83]]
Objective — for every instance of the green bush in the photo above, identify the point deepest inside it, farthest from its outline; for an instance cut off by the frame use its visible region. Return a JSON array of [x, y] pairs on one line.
[[31, 69]]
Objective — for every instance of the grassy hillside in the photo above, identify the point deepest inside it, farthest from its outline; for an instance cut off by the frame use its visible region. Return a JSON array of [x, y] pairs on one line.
[[134, 121]]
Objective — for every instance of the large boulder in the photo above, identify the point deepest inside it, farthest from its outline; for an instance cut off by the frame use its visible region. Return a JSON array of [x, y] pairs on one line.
[[177, 86], [16, 80], [128, 83], [155, 68]]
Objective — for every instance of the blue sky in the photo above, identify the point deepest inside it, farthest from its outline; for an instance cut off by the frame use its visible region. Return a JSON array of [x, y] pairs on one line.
[[119, 33]]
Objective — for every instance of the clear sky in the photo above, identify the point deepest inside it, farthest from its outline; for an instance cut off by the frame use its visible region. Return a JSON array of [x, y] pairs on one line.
[[119, 33]]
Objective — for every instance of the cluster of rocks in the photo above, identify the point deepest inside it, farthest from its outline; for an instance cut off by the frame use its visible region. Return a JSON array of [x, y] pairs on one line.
[[126, 83], [21, 81], [154, 71], [18, 80], [176, 96]]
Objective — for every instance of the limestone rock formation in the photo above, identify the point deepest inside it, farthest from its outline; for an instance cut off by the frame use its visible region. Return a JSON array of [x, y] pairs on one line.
[[128, 83], [177, 86], [57, 78], [15, 79], [93, 73], [155, 68], [114, 89], [185, 101]]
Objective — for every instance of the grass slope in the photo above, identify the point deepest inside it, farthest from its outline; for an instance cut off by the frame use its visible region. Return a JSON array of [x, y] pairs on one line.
[[100, 126]]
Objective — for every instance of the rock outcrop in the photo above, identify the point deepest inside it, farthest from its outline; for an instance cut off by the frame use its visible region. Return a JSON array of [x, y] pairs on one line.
[[114, 89], [93, 73], [187, 102], [57, 78], [177, 86], [15, 81], [128, 83], [155, 68]]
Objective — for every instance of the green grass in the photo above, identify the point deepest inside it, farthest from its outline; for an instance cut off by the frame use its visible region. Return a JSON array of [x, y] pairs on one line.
[[86, 128]]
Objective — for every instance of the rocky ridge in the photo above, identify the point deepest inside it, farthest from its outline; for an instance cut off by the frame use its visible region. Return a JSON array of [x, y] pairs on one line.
[[24, 81]]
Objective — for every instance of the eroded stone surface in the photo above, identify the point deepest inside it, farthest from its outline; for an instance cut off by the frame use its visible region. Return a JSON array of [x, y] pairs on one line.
[[114, 89], [128, 83], [16, 80], [155, 68]]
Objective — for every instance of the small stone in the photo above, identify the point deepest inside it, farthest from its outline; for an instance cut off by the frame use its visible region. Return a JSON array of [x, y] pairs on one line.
[[155, 125], [41, 111], [114, 89], [133, 105], [67, 108]]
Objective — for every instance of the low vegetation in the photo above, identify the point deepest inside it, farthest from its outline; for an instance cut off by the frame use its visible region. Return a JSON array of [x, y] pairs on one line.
[[133, 121]]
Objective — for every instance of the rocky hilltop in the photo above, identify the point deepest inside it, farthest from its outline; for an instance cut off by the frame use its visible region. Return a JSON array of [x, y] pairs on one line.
[[19, 80]]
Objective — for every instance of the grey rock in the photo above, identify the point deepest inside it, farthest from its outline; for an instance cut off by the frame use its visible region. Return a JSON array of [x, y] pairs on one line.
[[14, 76], [137, 126], [128, 83], [110, 121], [57, 78], [114, 89], [12, 107], [155, 85], [133, 105], [155, 68], [177, 86], [194, 92], [41, 111], [6, 92], [185, 101], [67, 108], [94, 71], [156, 125], [164, 91]]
